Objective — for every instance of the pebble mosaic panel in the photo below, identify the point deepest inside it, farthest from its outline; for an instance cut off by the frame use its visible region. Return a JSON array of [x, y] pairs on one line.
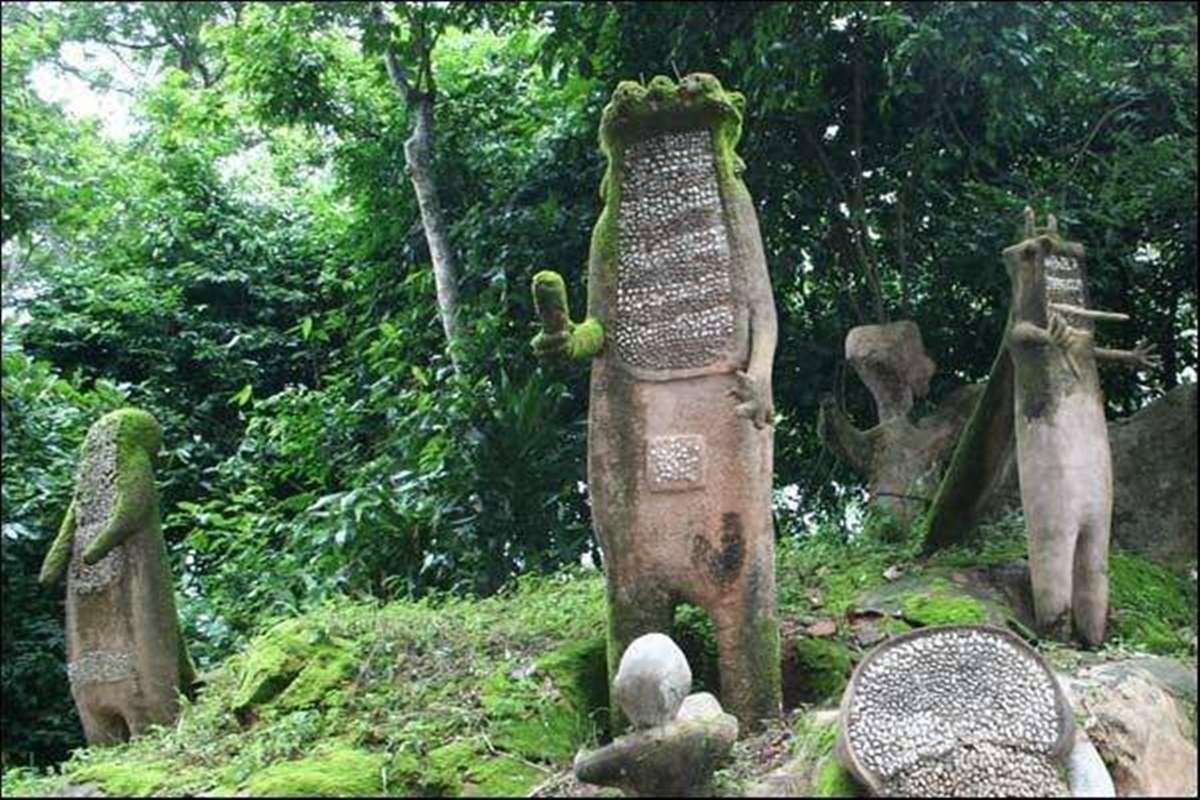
[[674, 292], [95, 500], [957, 713], [675, 462]]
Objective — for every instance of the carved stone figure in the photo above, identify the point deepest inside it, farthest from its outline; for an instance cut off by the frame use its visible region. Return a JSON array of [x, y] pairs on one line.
[[899, 457], [955, 711], [681, 331], [1063, 458], [681, 738], [126, 658]]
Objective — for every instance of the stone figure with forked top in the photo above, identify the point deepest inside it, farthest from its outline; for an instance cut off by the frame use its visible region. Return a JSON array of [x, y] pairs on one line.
[[1063, 458]]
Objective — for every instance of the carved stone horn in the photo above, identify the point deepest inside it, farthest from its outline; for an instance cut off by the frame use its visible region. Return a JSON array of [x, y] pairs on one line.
[[1028, 222], [1052, 223]]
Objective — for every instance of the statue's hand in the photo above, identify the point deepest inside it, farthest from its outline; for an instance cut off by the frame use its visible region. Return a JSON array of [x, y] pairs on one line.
[[552, 345], [754, 394], [1068, 338], [1143, 355]]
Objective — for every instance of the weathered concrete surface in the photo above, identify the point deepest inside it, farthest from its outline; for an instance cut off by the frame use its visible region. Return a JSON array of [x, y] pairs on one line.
[[1063, 456], [890, 359]]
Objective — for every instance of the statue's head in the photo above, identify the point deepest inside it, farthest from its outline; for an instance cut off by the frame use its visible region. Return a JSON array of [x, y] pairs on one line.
[[697, 101], [1044, 269], [132, 427]]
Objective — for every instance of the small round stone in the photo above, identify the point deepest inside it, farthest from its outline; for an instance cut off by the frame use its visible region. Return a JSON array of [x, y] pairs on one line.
[[652, 680]]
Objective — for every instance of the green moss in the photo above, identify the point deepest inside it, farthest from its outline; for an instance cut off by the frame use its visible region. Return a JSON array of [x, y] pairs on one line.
[[834, 781], [580, 673], [1151, 608], [823, 667], [467, 768], [547, 720], [338, 772], [943, 605], [763, 643], [694, 632], [129, 779], [501, 776], [318, 680], [550, 298], [294, 664]]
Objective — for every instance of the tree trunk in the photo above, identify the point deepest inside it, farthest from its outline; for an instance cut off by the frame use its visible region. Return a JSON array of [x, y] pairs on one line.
[[418, 152]]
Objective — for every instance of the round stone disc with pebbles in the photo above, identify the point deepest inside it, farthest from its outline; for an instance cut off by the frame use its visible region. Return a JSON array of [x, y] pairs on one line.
[[955, 711]]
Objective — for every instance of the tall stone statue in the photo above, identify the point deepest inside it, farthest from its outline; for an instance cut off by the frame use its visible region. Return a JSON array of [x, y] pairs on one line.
[[681, 331], [126, 658], [1063, 459]]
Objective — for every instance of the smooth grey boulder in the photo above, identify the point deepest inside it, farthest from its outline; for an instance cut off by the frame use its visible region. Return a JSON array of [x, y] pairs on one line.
[[652, 680]]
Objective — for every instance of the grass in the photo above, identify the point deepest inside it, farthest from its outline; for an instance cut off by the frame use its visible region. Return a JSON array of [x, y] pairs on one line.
[[452, 696]]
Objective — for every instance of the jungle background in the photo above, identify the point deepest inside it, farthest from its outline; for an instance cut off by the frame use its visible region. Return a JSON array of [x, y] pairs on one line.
[[249, 262]]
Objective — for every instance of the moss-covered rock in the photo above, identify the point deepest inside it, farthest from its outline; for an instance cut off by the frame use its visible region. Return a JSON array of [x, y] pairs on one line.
[[548, 714], [468, 768], [1151, 608], [132, 779], [939, 596], [820, 669], [337, 772], [293, 665]]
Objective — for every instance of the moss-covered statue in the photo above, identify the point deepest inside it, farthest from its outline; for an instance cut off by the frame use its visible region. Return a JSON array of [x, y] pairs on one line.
[[681, 331], [126, 658], [1063, 458]]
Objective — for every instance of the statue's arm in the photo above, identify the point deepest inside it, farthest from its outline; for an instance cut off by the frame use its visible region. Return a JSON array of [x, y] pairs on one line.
[[560, 336], [839, 435], [59, 554], [135, 503], [1028, 333], [1140, 357], [754, 385]]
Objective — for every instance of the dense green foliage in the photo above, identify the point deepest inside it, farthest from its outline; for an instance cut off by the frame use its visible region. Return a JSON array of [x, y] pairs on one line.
[[249, 263]]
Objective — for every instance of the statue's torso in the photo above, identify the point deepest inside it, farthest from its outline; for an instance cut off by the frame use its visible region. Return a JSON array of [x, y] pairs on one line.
[[678, 310]]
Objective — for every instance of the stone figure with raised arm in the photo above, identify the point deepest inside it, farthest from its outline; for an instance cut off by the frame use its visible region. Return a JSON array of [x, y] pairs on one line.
[[1063, 458], [681, 331]]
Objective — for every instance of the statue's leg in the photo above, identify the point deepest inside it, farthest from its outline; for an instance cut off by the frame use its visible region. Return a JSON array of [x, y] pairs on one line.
[[632, 612], [1090, 601], [748, 653], [102, 726], [1051, 569]]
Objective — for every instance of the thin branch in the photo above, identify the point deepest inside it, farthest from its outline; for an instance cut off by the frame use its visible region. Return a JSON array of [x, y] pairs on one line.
[[395, 70], [1096, 129]]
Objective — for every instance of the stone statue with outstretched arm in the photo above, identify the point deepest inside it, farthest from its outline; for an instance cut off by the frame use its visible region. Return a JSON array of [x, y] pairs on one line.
[[126, 657], [1063, 458], [681, 333]]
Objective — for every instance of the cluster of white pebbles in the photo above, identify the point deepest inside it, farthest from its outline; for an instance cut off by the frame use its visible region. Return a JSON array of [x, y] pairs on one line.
[[676, 460], [674, 291], [959, 712], [95, 500]]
